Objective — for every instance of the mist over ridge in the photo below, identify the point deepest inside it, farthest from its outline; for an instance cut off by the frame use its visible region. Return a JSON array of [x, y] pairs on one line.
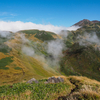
[[18, 25]]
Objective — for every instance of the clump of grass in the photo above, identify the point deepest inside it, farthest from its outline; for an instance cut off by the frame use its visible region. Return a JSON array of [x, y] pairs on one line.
[[88, 92], [85, 93], [86, 89]]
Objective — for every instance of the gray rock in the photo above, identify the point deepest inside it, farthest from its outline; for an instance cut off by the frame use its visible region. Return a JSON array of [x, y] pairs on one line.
[[36, 81], [54, 80], [49, 79], [32, 80], [60, 79]]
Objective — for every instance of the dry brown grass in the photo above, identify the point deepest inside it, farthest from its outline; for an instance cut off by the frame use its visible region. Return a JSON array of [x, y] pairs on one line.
[[57, 36], [2, 55], [84, 80], [88, 89], [33, 38]]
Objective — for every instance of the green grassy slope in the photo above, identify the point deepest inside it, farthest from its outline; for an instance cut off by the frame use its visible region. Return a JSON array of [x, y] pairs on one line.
[[82, 61], [16, 66], [41, 35]]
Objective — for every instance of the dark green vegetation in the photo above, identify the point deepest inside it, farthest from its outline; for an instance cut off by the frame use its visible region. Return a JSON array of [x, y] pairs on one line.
[[17, 68], [39, 91], [4, 62], [82, 61], [41, 35]]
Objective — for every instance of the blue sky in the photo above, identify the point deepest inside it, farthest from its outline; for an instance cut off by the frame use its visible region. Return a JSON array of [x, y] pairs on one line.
[[56, 12]]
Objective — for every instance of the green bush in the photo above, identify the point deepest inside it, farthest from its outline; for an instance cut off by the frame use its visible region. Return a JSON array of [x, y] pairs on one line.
[[4, 62]]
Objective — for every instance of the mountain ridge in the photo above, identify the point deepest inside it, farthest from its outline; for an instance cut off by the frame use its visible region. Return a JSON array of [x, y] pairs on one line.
[[86, 22]]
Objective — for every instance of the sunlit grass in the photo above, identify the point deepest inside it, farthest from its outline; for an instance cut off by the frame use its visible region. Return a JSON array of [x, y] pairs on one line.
[[40, 91]]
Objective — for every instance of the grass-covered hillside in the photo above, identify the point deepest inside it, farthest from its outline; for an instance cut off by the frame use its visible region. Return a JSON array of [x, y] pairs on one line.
[[83, 61], [82, 56], [41, 35], [19, 59]]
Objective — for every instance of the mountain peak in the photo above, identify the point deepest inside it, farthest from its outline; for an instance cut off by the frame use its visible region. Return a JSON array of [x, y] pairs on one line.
[[86, 22], [83, 22]]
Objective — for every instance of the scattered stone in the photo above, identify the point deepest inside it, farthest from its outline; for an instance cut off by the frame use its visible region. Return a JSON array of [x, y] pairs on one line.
[[32, 80], [54, 80]]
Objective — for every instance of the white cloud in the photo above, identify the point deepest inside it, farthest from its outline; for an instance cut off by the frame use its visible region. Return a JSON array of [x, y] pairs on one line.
[[18, 25], [73, 28], [4, 34], [28, 50], [55, 48]]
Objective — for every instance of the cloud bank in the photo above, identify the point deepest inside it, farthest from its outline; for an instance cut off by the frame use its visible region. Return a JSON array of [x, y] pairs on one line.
[[55, 48], [28, 50], [89, 39], [4, 34], [18, 25]]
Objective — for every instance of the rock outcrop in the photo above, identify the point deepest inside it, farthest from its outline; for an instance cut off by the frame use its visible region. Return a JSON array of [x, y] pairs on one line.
[[54, 80], [32, 81]]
